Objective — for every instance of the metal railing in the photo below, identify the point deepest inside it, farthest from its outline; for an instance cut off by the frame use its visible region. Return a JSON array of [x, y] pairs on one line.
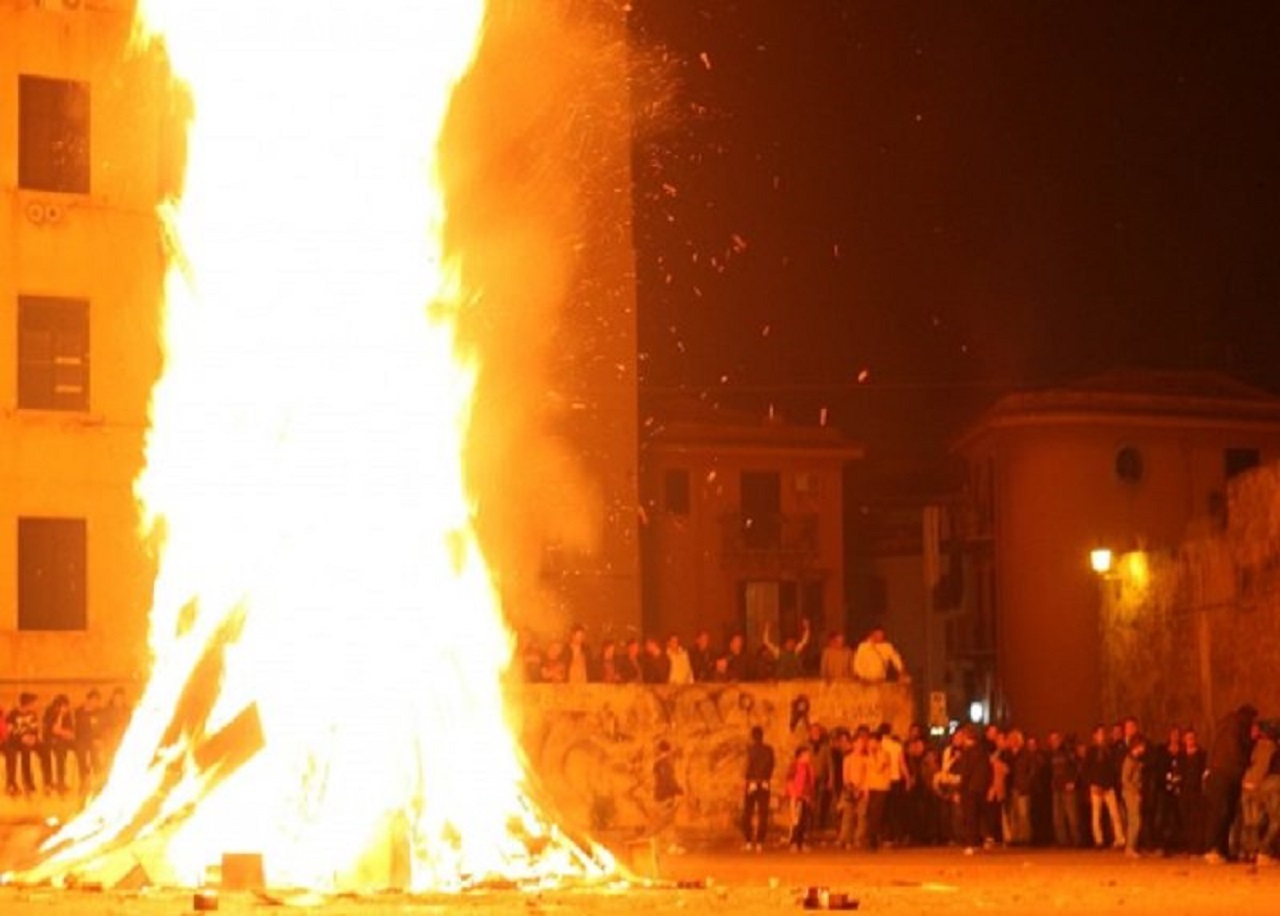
[[776, 537]]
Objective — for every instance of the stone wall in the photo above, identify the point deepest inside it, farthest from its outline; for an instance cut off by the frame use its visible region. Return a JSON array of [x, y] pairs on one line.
[[594, 746], [1190, 634]]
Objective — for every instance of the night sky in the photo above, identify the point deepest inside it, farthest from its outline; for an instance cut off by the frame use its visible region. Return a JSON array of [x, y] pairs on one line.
[[898, 210]]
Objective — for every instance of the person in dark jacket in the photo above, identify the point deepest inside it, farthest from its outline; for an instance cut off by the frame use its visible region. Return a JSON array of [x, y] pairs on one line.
[[737, 668], [1023, 772], [1041, 795], [789, 659], [627, 665], [666, 797], [763, 666], [609, 662], [1228, 759], [23, 743], [923, 820], [755, 803], [822, 759], [974, 771], [1191, 766], [88, 741], [1063, 772], [655, 666], [58, 737], [1168, 835], [1083, 797], [1132, 782], [1118, 747], [1153, 778], [1099, 772], [701, 659]]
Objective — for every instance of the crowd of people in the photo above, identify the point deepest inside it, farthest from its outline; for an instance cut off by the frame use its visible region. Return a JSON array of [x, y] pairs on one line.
[[47, 738], [867, 787], [650, 660]]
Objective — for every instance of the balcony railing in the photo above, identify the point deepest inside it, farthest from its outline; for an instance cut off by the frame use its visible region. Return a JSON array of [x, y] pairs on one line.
[[769, 538]]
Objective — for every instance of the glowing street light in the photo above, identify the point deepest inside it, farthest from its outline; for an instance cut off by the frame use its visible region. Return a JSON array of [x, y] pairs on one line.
[[1100, 559]]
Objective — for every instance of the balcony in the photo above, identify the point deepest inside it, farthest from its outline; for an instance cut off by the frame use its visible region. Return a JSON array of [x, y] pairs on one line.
[[768, 541]]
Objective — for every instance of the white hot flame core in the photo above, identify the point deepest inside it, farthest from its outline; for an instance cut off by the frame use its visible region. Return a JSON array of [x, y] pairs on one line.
[[305, 467]]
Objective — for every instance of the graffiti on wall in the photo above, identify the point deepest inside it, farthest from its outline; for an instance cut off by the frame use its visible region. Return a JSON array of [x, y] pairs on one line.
[[594, 746]]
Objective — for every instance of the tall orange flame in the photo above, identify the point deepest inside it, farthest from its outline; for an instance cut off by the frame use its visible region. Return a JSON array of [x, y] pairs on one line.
[[327, 641]]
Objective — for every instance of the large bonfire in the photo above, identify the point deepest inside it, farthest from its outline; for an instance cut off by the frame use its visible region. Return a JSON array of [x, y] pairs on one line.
[[327, 642]]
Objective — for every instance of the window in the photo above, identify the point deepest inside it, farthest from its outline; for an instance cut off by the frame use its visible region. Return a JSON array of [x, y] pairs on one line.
[[675, 491], [1129, 466], [53, 353], [1236, 461], [51, 574], [758, 603], [53, 135], [762, 509]]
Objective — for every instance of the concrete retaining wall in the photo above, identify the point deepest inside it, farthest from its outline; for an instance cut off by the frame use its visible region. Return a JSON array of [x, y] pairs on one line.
[[593, 746]]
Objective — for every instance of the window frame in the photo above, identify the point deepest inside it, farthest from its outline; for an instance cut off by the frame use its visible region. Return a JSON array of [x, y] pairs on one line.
[[49, 546], [54, 138], [59, 380], [677, 491]]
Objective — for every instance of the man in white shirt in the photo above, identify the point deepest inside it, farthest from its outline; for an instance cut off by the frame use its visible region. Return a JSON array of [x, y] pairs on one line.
[[681, 667], [579, 665], [877, 660], [895, 814]]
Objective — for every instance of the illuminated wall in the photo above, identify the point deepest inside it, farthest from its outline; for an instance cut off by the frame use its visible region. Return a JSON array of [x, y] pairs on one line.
[[1194, 632], [99, 247]]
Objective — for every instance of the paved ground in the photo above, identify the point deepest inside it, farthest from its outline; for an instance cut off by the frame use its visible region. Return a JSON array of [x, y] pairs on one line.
[[721, 881]]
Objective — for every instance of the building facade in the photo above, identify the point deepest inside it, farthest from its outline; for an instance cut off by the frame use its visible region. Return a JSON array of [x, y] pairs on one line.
[[1118, 462], [91, 140], [81, 171], [743, 526]]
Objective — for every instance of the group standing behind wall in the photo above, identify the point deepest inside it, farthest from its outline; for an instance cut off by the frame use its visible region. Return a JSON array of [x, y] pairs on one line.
[[649, 660]]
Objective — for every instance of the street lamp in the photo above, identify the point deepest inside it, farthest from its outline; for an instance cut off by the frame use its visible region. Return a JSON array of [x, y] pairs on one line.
[[1100, 559]]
